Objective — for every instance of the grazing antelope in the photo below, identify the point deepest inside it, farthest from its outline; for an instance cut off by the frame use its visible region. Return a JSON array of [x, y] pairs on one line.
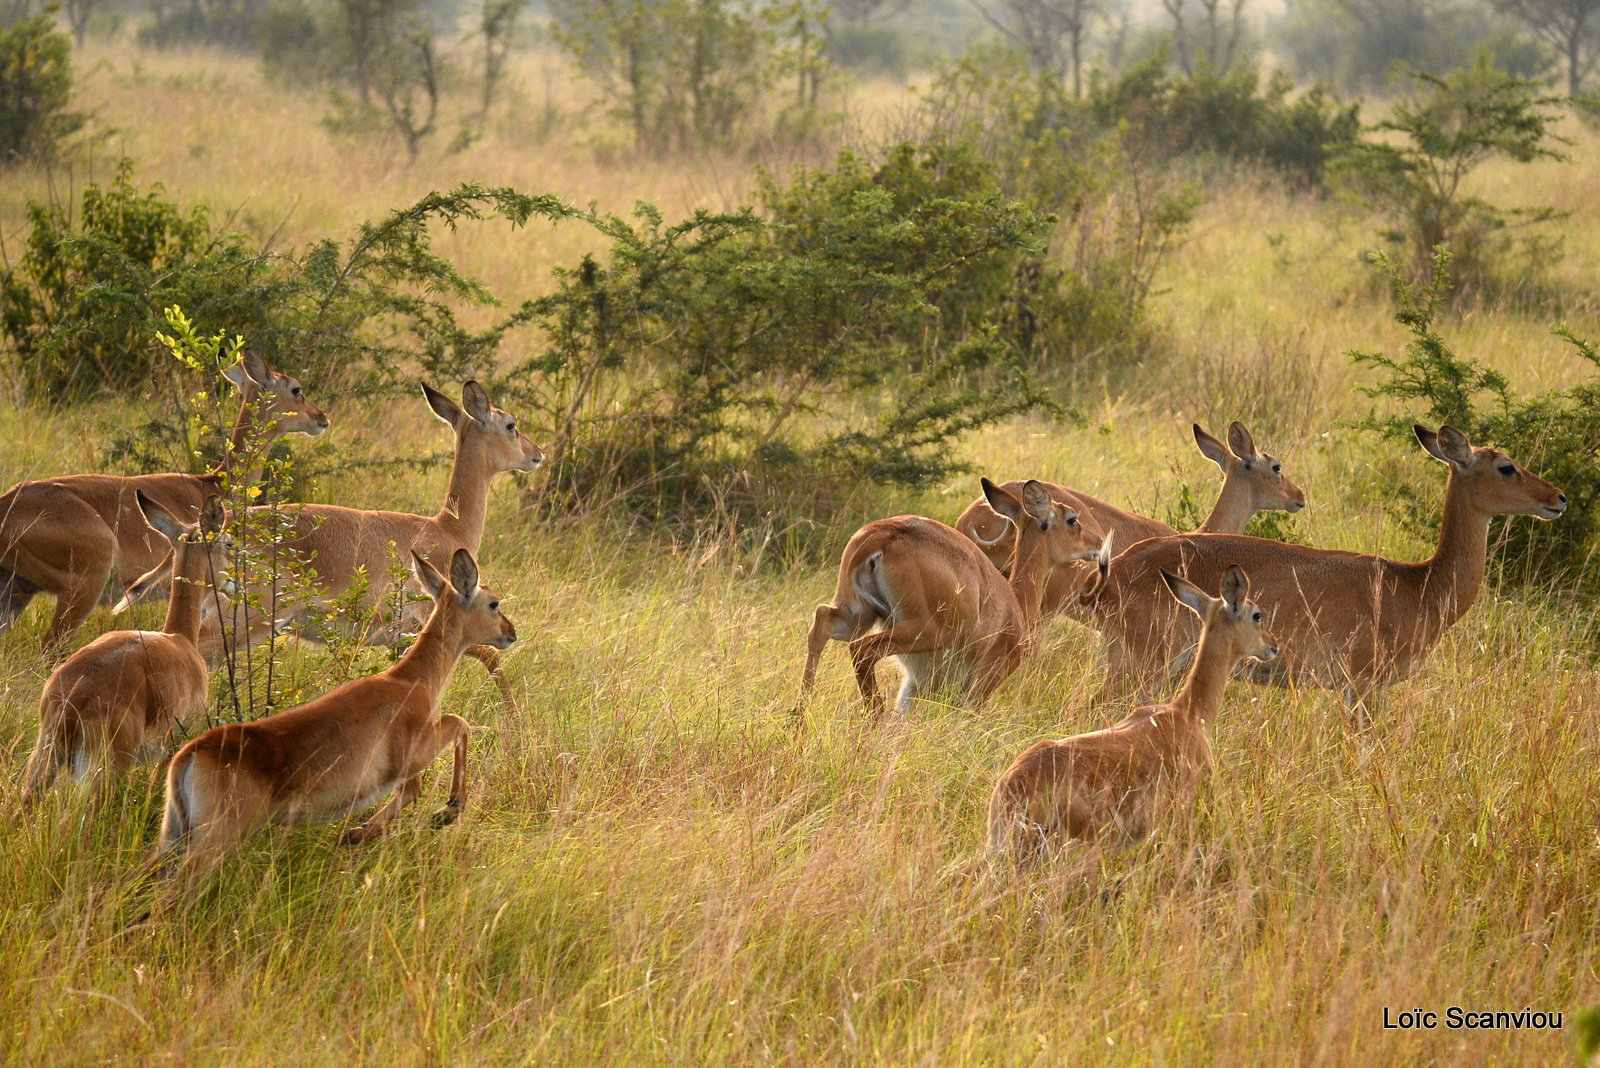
[[1118, 780], [71, 536], [339, 542], [118, 697], [1351, 622], [915, 589], [1251, 482], [338, 754]]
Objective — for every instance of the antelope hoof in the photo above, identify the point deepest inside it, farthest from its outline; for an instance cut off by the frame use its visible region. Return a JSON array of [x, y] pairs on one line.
[[355, 836], [448, 814]]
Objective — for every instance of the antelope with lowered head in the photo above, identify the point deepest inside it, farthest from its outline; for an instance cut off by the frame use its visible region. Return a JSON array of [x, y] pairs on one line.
[[1354, 623], [119, 697], [1117, 781], [345, 750], [919, 591], [1252, 482], [71, 536]]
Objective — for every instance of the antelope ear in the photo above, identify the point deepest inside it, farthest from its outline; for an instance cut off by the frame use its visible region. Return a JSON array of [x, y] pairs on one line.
[[1449, 445], [1235, 587], [464, 575], [442, 406], [428, 575], [1188, 594], [1211, 448], [212, 517], [256, 368], [163, 521], [1240, 443], [475, 399], [1037, 503], [1003, 501]]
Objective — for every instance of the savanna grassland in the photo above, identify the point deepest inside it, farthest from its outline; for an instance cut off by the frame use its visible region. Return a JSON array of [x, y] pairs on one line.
[[654, 868]]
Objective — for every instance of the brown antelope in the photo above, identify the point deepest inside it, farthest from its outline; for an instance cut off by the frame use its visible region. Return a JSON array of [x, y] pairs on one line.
[[1350, 622], [915, 589], [119, 697], [342, 542], [1251, 482], [1118, 780], [72, 536], [342, 752]]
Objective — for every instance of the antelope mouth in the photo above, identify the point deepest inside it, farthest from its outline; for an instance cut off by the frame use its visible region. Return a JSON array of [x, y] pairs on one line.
[[1296, 506], [1550, 511]]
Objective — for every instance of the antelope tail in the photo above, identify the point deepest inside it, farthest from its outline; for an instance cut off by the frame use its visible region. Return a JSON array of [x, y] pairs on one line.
[[867, 582], [1095, 584], [177, 819], [49, 756]]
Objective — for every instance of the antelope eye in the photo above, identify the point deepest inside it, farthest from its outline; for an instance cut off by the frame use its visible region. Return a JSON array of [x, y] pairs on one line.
[[1072, 522], [1507, 469], [1277, 469], [511, 428], [1255, 617], [494, 606], [297, 392]]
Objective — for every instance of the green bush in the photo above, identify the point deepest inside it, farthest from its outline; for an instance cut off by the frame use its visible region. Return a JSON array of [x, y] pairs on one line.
[[1230, 114], [35, 88], [1555, 434], [853, 329], [1415, 174], [81, 306]]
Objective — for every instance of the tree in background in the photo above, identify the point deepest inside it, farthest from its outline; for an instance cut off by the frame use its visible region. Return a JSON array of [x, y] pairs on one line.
[[78, 13], [1053, 32], [497, 20], [1435, 138], [1217, 37], [1571, 27], [685, 74], [35, 87]]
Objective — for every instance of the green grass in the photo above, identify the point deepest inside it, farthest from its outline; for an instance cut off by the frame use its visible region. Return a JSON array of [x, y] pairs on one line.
[[653, 868]]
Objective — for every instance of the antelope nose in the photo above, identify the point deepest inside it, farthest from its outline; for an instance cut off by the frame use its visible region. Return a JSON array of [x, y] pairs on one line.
[[1562, 497]]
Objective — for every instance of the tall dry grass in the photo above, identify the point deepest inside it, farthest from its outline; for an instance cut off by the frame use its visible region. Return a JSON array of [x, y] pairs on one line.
[[653, 869]]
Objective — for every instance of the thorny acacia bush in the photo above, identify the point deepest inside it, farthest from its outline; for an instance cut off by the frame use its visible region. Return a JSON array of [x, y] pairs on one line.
[[80, 307], [1556, 434], [850, 330]]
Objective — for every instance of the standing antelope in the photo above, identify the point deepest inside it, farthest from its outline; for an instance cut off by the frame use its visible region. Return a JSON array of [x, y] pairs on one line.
[[118, 697], [1251, 482], [1119, 779], [345, 750], [937, 599], [340, 542], [71, 536], [1350, 622]]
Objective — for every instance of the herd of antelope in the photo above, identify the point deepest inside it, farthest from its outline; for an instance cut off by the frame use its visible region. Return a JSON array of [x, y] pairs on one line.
[[951, 604]]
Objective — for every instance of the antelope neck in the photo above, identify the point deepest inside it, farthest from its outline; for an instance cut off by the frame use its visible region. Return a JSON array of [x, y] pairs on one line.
[[245, 443], [1201, 694], [1232, 512], [433, 655], [1030, 566], [188, 593], [466, 503], [1454, 573]]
